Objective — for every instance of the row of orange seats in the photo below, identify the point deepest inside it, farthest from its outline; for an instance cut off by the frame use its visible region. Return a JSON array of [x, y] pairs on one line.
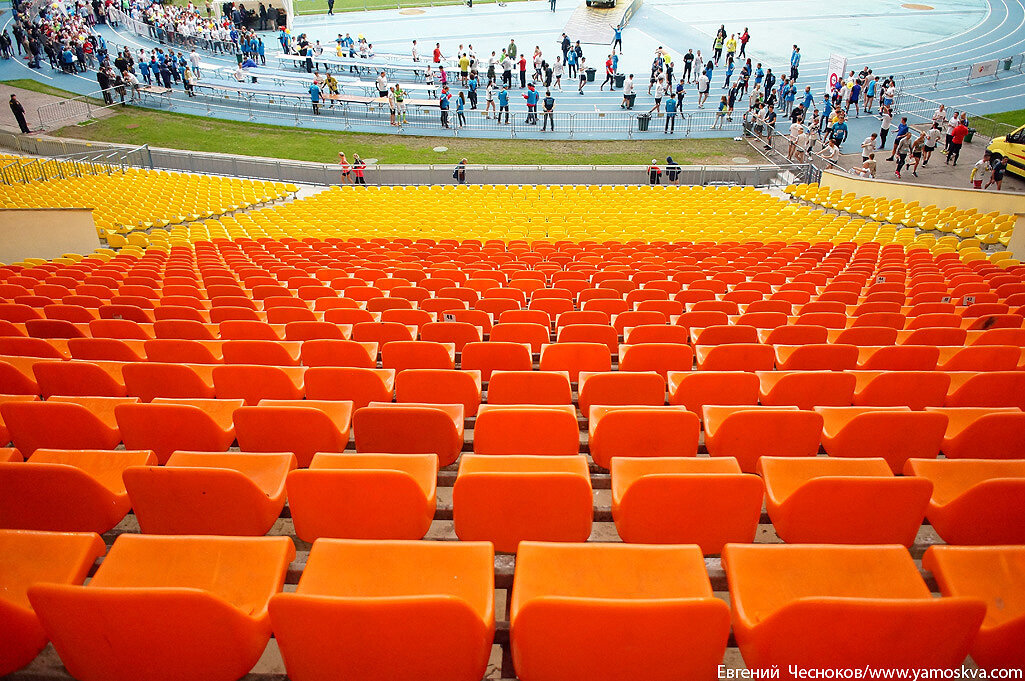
[[443, 345], [744, 415], [655, 499], [205, 608]]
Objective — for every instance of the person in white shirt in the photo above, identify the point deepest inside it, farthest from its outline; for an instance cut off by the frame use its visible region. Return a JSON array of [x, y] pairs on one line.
[[416, 52], [867, 168], [660, 92], [194, 60], [885, 118], [628, 93], [557, 69], [831, 152], [940, 116], [804, 141], [702, 90], [489, 101], [868, 146], [795, 131]]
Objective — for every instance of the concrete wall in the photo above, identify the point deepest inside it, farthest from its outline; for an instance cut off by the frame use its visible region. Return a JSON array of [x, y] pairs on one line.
[[46, 233], [984, 201], [1017, 243]]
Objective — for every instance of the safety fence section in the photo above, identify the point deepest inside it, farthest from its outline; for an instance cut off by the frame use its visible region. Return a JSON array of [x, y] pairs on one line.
[[920, 110], [961, 74], [299, 172]]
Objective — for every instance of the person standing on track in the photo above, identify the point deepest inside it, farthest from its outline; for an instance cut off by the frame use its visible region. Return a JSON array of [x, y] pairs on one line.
[[547, 110], [795, 62], [617, 37], [744, 37], [610, 75]]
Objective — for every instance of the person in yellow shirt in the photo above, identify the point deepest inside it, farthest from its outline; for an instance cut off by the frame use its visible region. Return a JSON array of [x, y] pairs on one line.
[[731, 47]]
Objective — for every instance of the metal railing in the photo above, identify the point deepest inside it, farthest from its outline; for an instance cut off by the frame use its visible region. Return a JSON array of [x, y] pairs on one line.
[[328, 174], [294, 108], [954, 75], [921, 110], [169, 37], [80, 164]]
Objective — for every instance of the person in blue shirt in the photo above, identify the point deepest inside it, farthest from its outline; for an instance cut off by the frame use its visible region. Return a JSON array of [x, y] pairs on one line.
[[839, 132], [790, 97], [615, 63], [460, 107], [283, 39], [870, 92], [571, 63], [853, 99], [808, 99], [795, 61], [902, 130], [472, 85], [759, 75], [503, 103], [144, 70], [617, 37], [729, 73], [315, 98], [827, 108], [670, 115], [260, 50], [531, 96], [443, 104]]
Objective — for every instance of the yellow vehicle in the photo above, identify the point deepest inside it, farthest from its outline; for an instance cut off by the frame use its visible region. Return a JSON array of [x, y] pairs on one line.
[[1011, 147]]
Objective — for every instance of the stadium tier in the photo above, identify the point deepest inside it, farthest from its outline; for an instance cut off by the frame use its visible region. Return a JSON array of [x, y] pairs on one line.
[[641, 398]]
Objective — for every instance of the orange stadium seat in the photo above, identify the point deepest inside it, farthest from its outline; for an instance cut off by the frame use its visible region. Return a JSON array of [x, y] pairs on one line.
[[167, 425], [253, 383], [410, 429], [63, 423], [67, 490], [338, 353], [806, 389], [364, 496], [353, 384], [826, 500], [210, 493], [983, 432], [695, 389], [189, 608], [641, 431], [620, 388], [652, 605], [529, 387], [842, 607], [706, 501], [975, 501], [996, 575], [914, 389], [490, 493], [301, 427], [895, 434], [401, 355], [735, 357], [747, 433], [816, 357], [526, 429], [986, 389], [575, 357], [428, 608], [440, 386], [27, 558], [491, 356]]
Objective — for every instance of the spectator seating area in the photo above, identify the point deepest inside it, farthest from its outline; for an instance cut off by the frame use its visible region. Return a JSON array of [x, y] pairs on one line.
[[617, 433], [127, 202], [557, 213], [970, 228]]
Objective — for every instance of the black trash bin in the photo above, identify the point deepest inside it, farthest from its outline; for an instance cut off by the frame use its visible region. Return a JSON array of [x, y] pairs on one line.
[[620, 79], [590, 75], [630, 99], [642, 122]]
